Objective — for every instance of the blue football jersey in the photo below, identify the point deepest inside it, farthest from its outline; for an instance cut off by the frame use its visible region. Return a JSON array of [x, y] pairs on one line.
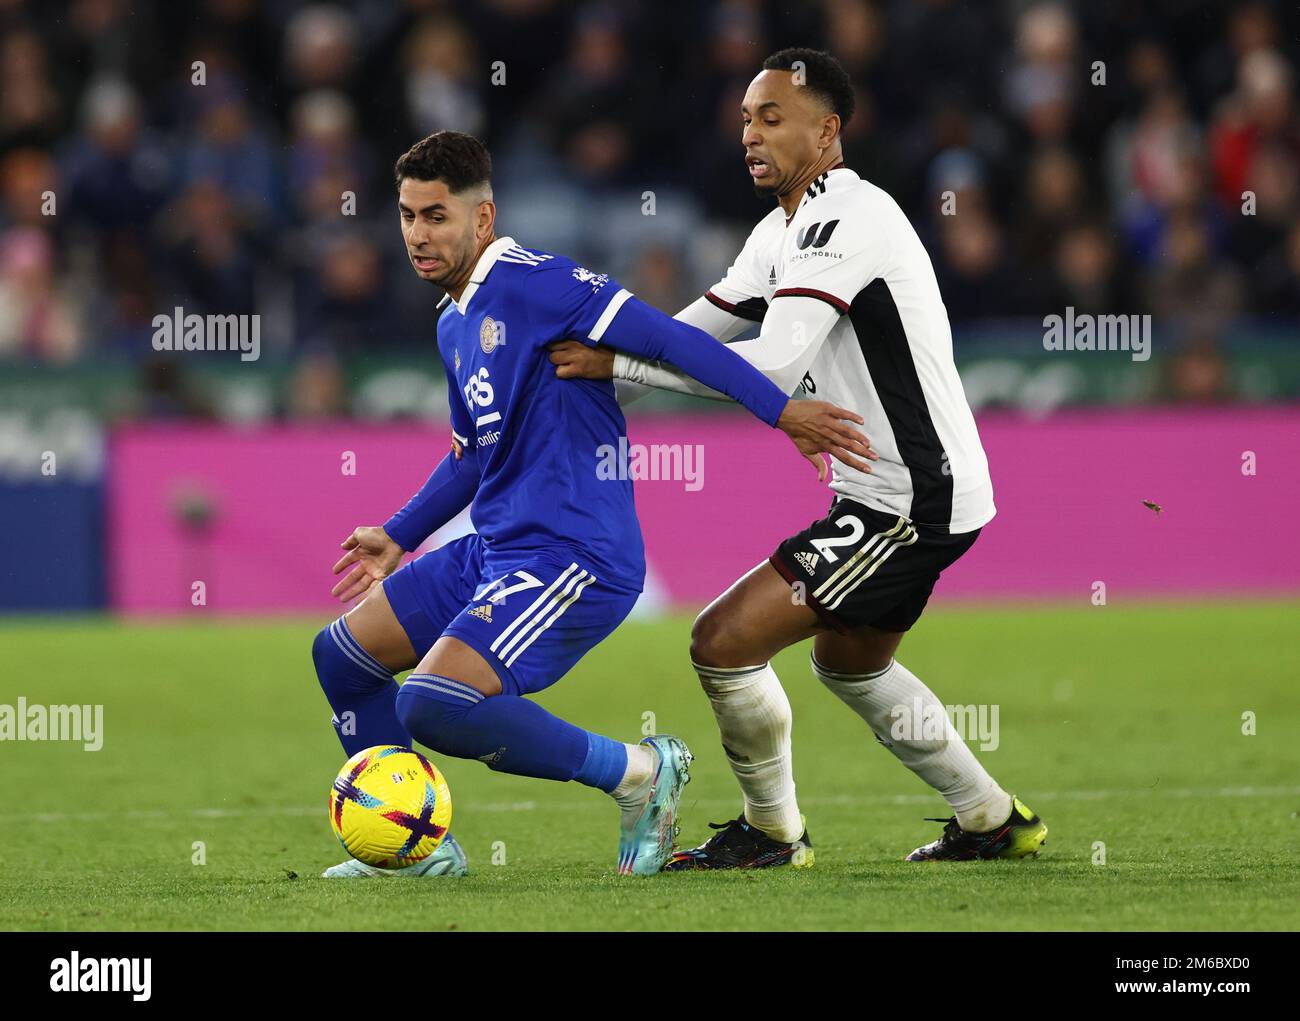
[[538, 438]]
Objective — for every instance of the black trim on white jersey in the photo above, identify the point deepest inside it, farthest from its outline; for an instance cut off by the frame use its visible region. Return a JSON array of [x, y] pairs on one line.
[[818, 184], [753, 309], [812, 292], [889, 360]]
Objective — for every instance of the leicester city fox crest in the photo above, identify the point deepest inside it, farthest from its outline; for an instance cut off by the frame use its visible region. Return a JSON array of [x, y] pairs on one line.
[[491, 335]]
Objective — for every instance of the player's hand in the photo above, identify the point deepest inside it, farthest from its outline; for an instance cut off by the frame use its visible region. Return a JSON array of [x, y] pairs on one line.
[[457, 450], [816, 427], [575, 360], [375, 557]]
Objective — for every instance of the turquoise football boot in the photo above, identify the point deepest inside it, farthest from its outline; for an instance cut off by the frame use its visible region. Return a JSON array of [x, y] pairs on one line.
[[448, 859], [646, 840]]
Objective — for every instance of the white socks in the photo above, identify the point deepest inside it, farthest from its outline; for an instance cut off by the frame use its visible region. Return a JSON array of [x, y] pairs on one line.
[[630, 792], [754, 720], [887, 701]]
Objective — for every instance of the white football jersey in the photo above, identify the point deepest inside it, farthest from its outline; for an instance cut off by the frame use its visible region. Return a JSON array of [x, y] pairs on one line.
[[889, 357]]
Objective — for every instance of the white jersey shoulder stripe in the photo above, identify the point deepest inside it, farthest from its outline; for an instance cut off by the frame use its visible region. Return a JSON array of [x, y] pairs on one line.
[[607, 316]]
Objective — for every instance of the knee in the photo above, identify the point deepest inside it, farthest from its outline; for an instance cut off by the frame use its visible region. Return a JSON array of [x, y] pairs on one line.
[[708, 641], [424, 718], [338, 669], [721, 640], [432, 722], [411, 716], [320, 647]]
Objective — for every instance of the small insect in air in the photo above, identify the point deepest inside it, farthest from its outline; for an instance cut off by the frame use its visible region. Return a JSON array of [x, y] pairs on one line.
[[1152, 505]]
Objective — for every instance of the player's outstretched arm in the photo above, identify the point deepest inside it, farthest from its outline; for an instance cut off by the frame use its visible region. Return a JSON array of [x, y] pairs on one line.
[[813, 426], [570, 301], [793, 332], [635, 377], [629, 324], [573, 360]]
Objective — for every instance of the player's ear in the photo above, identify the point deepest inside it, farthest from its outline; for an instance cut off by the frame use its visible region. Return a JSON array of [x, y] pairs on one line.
[[830, 130], [486, 217]]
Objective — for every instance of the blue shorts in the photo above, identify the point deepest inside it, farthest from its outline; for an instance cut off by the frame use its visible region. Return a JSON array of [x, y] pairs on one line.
[[532, 623]]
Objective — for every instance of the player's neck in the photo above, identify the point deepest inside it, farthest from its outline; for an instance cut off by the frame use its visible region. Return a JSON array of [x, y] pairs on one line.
[[791, 198], [457, 287]]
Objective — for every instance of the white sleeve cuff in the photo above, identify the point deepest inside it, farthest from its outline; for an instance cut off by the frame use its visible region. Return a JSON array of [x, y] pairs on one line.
[[629, 368]]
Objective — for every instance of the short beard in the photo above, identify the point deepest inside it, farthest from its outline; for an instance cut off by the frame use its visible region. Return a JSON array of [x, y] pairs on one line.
[[769, 191], [450, 274], [437, 281]]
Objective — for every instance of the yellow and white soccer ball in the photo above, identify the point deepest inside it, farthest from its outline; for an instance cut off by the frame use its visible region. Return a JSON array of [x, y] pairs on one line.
[[390, 806]]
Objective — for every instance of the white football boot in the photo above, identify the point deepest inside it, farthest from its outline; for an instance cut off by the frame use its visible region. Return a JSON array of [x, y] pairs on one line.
[[448, 860]]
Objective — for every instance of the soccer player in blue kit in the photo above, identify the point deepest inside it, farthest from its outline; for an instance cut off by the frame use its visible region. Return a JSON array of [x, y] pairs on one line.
[[556, 561]]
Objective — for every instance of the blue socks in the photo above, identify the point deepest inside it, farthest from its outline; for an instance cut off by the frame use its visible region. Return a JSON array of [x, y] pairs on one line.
[[360, 690], [509, 733]]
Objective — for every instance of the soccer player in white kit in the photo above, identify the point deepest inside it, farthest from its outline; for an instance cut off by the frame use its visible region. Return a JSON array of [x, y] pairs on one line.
[[851, 311]]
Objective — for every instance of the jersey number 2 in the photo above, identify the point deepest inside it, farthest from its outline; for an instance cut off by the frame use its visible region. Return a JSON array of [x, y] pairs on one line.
[[856, 531]]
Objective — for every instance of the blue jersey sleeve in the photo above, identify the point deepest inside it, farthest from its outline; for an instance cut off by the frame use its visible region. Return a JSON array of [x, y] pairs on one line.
[[566, 300], [447, 491], [571, 301]]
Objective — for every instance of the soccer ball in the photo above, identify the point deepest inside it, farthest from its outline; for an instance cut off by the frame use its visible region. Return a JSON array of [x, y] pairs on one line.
[[390, 807]]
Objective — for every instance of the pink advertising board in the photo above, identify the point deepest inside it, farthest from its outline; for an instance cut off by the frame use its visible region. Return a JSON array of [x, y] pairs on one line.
[[267, 507]]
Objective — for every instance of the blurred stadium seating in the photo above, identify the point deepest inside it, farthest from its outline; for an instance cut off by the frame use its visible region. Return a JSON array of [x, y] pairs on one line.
[[1171, 189], [226, 197]]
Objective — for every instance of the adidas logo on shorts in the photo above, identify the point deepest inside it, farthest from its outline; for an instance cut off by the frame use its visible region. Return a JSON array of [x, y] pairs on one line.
[[808, 561], [483, 612]]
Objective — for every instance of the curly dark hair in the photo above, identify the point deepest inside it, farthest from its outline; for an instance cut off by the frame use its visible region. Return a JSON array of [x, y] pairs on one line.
[[460, 160], [823, 74]]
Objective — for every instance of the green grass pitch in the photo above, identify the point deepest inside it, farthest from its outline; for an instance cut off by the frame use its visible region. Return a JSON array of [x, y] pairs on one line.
[[1121, 725]]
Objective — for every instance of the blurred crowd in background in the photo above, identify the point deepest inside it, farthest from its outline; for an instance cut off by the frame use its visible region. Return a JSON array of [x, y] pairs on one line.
[[1114, 187]]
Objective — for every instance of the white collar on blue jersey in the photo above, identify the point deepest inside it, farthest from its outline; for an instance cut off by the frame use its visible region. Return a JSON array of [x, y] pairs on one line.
[[481, 270]]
